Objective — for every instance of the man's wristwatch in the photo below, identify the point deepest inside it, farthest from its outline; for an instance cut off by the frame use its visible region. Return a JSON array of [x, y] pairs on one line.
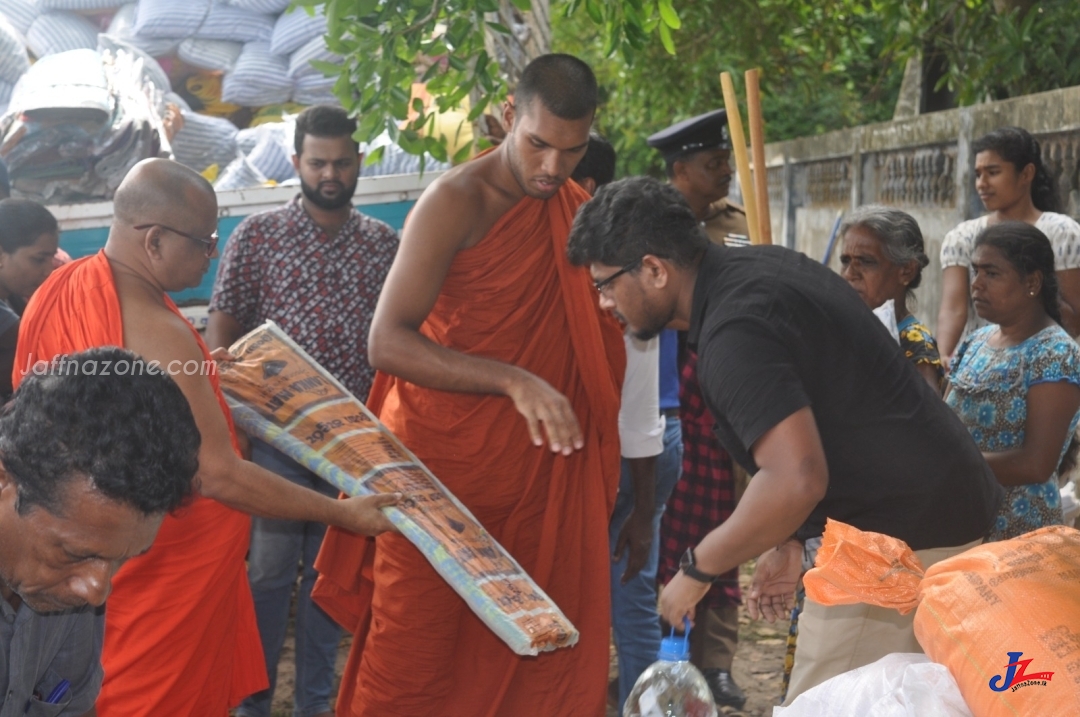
[[686, 565]]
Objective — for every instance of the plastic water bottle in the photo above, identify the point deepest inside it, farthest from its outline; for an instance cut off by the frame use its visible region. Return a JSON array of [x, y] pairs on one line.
[[671, 686]]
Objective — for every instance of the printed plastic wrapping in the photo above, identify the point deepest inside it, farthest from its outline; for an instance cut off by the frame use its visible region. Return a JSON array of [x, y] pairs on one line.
[[280, 395], [1000, 616]]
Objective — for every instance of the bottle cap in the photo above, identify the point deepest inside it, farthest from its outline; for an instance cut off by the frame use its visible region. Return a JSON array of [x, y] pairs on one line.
[[675, 649]]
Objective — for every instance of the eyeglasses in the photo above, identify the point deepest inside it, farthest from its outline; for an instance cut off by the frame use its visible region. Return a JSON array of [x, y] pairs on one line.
[[604, 286], [210, 242]]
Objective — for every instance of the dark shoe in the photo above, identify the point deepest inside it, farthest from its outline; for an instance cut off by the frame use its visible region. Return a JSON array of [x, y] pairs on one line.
[[724, 690]]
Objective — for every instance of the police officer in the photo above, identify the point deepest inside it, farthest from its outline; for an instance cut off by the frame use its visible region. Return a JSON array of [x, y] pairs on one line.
[[697, 155]]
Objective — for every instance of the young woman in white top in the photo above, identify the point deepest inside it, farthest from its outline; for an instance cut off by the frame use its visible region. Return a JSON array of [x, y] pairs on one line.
[[1013, 185]]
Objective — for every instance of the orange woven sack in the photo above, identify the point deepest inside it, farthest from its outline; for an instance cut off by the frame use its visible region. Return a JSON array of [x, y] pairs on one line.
[[1003, 617]]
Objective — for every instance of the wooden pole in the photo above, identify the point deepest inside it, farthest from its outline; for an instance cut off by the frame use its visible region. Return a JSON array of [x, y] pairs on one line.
[[757, 147], [742, 162]]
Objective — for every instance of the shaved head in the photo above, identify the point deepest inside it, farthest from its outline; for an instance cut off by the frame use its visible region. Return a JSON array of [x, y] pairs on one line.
[[565, 85], [161, 190], [164, 227]]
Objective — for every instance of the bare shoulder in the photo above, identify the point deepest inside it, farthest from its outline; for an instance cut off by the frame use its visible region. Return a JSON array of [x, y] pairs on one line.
[[155, 332], [452, 192], [460, 206]]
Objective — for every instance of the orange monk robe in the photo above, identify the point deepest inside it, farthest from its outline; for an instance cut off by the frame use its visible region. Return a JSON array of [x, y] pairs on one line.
[[180, 632], [418, 649]]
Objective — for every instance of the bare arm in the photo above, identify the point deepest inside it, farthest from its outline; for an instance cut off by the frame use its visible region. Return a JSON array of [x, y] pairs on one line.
[[930, 375], [222, 330], [1069, 291], [953, 315], [635, 535], [1050, 409], [792, 479], [225, 477], [438, 228]]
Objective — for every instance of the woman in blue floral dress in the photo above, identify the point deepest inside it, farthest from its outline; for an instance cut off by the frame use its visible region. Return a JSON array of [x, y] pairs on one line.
[[1016, 384]]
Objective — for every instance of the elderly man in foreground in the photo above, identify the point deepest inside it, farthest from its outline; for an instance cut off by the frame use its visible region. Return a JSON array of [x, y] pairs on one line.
[[89, 466]]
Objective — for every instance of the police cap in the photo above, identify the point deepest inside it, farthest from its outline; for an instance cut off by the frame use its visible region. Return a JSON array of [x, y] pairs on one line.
[[707, 131]]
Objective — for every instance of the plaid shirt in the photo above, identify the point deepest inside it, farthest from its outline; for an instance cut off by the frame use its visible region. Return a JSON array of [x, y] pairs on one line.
[[703, 498], [280, 265]]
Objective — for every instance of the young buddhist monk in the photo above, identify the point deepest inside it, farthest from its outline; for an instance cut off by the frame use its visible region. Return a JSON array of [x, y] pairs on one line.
[[500, 373]]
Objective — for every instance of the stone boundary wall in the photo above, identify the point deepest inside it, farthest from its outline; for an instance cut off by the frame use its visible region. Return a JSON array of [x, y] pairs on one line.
[[922, 165]]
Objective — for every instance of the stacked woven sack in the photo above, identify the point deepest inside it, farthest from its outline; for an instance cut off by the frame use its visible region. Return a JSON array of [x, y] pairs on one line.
[[80, 119], [264, 52], [230, 61], [235, 70]]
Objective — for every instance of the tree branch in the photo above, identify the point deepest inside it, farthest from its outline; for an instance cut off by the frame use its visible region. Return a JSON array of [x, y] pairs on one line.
[[435, 7]]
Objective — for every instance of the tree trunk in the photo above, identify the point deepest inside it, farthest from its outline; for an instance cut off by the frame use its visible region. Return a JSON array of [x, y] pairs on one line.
[[530, 37], [908, 101]]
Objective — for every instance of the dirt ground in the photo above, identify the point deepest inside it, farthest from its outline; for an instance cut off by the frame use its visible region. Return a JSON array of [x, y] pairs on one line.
[[759, 666]]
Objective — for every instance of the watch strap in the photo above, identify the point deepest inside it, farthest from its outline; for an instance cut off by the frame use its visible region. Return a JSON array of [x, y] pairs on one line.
[[689, 569], [691, 572]]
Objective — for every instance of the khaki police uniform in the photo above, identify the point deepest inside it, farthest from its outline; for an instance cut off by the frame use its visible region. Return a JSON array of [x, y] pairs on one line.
[[725, 218]]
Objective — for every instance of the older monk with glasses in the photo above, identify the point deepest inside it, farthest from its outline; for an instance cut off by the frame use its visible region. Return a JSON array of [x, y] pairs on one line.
[[180, 631]]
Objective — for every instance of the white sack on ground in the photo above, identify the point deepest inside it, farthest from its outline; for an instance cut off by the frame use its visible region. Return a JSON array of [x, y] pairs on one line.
[[897, 685]]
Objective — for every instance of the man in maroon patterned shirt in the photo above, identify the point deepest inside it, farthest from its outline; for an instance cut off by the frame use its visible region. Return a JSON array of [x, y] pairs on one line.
[[315, 267]]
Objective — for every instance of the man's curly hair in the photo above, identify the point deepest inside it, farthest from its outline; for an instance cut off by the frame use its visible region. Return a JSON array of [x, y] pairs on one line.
[[133, 436]]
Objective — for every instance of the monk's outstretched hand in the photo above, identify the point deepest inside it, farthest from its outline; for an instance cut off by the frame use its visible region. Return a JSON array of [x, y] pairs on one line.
[[543, 406], [364, 515], [222, 355]]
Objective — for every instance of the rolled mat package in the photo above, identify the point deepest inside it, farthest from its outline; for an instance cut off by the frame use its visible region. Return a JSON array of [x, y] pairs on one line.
[[1004, 617], [280, 395]]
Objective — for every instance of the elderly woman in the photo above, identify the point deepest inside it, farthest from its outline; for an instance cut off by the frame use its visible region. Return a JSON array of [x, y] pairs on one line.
[[882, 258], [1016, 385]]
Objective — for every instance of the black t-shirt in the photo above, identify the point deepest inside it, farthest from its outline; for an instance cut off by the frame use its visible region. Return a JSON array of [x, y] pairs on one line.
[[776, 332]]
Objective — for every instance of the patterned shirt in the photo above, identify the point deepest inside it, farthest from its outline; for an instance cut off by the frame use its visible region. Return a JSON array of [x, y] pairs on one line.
[[1062, 231], [919, 345], [280, 265], [989, 393]]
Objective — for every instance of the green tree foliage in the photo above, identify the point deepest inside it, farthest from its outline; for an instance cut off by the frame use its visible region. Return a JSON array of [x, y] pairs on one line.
[[825, 65], [994, 49], [383, 43]]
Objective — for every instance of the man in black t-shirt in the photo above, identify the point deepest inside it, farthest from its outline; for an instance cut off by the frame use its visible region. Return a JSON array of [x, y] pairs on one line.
[[811, 394]]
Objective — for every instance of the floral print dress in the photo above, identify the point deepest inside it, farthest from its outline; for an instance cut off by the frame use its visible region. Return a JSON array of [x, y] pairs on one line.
[[919, 345], [989, 393]]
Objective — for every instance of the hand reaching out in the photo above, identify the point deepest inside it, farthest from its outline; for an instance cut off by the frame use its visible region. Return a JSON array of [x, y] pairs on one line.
[[772, 590], [542, 405]]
